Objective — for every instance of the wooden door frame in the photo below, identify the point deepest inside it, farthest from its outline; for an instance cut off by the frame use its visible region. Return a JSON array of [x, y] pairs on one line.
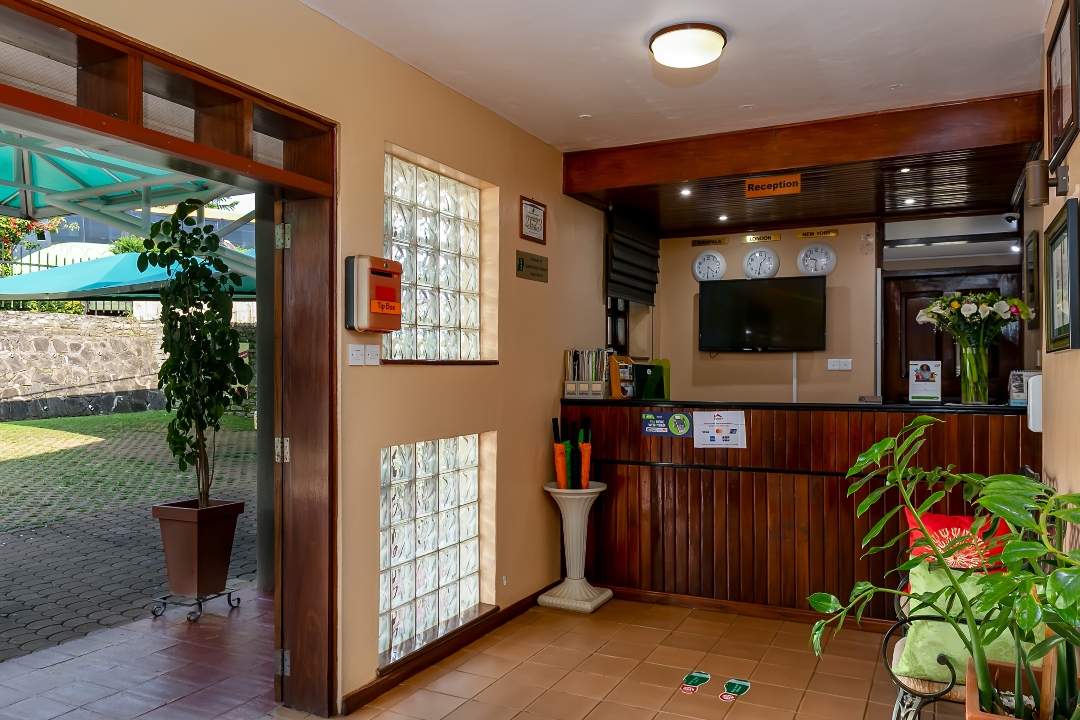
[[108, 116]]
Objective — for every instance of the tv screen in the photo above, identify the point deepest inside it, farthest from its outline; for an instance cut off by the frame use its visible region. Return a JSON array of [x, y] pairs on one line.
[[778, 315]]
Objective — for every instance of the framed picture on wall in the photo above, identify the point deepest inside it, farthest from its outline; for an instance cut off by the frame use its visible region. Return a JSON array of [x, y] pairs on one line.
[[1063, 101], [1031, 278], [533, 221], [1061, 260]]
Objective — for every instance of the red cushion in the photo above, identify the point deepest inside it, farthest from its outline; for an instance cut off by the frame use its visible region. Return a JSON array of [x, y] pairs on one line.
[[946, 528]]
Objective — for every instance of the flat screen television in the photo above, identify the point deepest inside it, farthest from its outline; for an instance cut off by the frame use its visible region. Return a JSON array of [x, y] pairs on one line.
[[774, 315]]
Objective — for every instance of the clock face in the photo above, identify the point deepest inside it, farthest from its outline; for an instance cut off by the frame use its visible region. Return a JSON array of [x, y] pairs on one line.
[[761, 263], [817, 259], [709, 265]]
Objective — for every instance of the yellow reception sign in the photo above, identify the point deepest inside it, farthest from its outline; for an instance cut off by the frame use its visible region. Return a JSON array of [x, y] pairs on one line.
[[774, 237], [775, 185], [810, 234]]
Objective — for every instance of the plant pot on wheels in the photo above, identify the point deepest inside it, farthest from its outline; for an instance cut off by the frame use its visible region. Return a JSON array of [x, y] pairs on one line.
[[575, 593], [198, 544]]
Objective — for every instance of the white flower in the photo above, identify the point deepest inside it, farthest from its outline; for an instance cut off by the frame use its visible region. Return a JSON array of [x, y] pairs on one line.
[[925, 317], [984, 310], [1002, 308], [968, 309]]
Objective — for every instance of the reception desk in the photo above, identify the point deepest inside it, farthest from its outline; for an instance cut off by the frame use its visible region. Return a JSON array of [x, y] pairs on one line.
[[770, 524]]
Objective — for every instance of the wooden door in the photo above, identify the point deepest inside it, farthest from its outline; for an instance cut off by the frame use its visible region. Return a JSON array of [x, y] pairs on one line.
[[905, 293], [307, 507]]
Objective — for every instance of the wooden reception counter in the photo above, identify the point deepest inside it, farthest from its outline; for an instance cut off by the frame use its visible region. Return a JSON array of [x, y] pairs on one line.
[[770, 524]]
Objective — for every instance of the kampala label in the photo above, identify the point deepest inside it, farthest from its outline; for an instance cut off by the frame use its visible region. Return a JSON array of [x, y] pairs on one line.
[[708, 241]]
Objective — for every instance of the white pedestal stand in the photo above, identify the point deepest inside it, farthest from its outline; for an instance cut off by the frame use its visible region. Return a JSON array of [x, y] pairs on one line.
[[575, 593]]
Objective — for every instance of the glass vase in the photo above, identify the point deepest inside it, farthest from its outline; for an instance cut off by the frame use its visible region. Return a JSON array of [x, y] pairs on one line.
[[973, 376]]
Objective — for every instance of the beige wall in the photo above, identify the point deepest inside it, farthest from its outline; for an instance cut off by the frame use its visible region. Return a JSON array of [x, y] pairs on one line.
[[766, 377], [1061, 370], [286, 49]]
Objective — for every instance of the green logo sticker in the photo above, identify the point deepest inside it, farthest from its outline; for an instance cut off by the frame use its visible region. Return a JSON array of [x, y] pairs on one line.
[[694, 680], [679, 424], [737, 687]]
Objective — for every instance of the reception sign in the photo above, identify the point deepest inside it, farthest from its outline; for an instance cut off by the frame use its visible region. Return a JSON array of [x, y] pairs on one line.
[[775, 185]]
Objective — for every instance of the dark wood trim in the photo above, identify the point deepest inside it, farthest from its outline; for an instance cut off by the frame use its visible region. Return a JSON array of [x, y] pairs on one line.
[[483, 610], [356, 699], [968, 124], [944, 272], [439, 362], [740, 608]]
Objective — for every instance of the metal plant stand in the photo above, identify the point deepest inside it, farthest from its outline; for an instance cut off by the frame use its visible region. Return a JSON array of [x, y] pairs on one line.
[[165, 601]]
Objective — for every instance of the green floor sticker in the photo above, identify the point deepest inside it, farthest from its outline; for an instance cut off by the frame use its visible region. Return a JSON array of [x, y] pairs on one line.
[[734, 688], [694, 680]]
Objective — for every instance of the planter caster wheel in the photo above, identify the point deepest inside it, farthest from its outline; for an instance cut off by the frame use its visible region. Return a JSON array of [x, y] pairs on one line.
[[233, 602], [195, 614], [157, 610]]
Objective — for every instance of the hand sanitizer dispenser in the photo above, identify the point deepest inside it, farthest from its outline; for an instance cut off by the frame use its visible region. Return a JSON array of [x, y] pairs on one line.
[[1034, 403], [372, 294]]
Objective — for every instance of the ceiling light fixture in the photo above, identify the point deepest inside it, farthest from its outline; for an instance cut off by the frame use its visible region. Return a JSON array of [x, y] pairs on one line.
[[722, 218], [688, 45], [905, 170], [909, 201], [685, 191], [1015, 248]]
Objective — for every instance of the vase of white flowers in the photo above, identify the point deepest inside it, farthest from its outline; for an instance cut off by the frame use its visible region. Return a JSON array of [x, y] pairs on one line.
[[975, 321]]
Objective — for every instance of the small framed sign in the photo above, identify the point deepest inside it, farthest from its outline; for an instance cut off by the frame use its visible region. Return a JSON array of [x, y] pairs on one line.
[[1062, 94], [924, 381], [1061, 259], [533, 221]]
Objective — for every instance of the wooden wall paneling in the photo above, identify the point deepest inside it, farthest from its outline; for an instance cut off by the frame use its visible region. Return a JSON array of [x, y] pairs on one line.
[[645, 530], [803, 557], [980, 445], [698, 537], [818, 529], [708, 533], [965, 455], [804, 435], [747, 537], [670, 561], [102, 79], [1030, 447], [774, 540], [1011, 430], [788, 555], [227, 126], [720, 532], [656, 541], [634, 514], [761, 557], [681, 520], [734, 538], [996, 445]]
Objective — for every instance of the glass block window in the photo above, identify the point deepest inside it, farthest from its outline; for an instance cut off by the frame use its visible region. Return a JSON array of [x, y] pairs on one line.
[[429, 534], [431, 225]]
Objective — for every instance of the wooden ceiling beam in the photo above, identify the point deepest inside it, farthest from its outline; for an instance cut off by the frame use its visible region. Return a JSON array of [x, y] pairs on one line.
[[964, 125]]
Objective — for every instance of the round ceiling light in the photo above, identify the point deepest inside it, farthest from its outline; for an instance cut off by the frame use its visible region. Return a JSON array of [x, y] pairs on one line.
[[688, 45]]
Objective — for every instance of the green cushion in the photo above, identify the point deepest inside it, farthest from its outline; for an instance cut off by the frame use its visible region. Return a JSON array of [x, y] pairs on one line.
[[926, 639]]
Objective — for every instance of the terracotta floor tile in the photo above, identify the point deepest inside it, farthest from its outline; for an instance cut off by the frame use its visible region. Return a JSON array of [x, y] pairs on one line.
[[621, 648], [482, 644], [746, 711], [862, 636], [717, 665], [560, 657], [604, 665], [365, 713], [708, 628], [698, 705], [392, 697], [782, 675], [600, 628], [663, 622], [491, 666], [586, 685], [164, 688], [847, 667], [879, 711], [689, 641], [676, 657], [638, 634], [509, 694], [883, 693], [662, 715], [428, 705], [838, 685], [559, 620], [651, 697], [562, 706], [830, 706], [538, 635], [612, 711], [735, 648], [792, 641], [459, 684], [617, 615], [739, 633], [423, 677], [577, 641], [456, 660], [759, 623], [662, 675], [514, 649], [713, 616], [537, 675], [841, 647], [790, 658], [773, 696], [472, 710]]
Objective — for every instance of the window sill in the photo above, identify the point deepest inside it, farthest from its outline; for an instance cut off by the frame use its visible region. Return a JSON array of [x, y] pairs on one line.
[[439, 362], [428, 640]]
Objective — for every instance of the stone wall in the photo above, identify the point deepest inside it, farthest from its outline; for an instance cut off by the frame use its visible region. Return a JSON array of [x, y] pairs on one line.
[[54, 365]]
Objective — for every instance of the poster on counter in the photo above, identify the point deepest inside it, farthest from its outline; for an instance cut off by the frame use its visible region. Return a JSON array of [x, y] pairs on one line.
[[668, 424], [720, 429], [924, 381]]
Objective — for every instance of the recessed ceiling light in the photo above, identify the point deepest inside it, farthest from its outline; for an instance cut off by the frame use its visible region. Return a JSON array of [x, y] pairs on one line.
[[722, 218], [905, 170], [585, 117], [909, 201], [685, 191], [896, 86], [747, 106], [1015, 248], [688, 45]]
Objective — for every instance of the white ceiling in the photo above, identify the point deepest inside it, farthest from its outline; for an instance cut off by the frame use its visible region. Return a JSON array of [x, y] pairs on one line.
[[543, 64]]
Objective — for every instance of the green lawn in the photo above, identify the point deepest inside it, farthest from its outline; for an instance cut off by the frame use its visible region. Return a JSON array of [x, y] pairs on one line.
[[56, 469]]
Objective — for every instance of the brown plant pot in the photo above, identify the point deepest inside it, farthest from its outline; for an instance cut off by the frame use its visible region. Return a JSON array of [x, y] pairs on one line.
[[198, 544], [1002, 675]]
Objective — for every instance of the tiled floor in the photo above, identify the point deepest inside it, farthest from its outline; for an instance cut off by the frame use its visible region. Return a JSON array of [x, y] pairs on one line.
[[627, 661], [155, 669]]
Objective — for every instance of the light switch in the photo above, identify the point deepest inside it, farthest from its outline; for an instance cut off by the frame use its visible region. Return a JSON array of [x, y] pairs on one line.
[[845, 364], [371, 356], [834, 364], [356, 354]]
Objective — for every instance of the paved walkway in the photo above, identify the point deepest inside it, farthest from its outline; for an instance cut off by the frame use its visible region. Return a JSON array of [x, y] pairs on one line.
[[98, 570]]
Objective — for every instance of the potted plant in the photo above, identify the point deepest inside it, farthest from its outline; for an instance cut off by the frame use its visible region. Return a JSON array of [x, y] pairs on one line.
[[975, 321], [202, 376], [1021, 579]]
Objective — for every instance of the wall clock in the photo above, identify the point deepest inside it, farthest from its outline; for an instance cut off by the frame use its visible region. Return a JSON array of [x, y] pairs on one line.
[[709, 265], [817, 259], [761, 263]]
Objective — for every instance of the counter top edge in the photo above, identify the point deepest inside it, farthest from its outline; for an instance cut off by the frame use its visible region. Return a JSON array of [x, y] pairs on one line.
[[856, 407]]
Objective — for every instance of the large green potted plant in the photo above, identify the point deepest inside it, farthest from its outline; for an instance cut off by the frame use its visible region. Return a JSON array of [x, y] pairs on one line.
[[202, 376], [1036, 584]]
